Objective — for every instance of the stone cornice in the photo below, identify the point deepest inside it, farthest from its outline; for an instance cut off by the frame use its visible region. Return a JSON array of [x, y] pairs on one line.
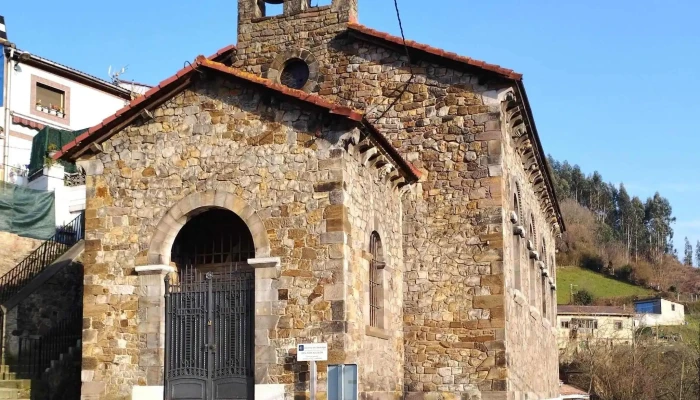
[[370, 153], [517, 125]]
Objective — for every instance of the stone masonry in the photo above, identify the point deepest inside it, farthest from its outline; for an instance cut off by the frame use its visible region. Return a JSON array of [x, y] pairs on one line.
[[447, 123], [457, 321], [316, 203]]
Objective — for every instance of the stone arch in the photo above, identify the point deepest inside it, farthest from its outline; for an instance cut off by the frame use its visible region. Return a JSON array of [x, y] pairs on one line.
[[171, 223], [533, 231], [278, 64], [519, 194]]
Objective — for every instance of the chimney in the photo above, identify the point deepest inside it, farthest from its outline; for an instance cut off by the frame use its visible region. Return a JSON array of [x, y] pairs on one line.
[[3, 30]]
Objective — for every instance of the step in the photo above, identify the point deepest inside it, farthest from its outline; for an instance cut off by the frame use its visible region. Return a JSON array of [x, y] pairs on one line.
[[16, 384], [9, 394], [7, 376]]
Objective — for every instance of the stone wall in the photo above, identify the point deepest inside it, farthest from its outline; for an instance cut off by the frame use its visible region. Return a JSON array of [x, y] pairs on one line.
[[447, 124], [55, 301], [264, 40], [13, 249], [378, 351], [531, 350], [453, 289], [223, 137]]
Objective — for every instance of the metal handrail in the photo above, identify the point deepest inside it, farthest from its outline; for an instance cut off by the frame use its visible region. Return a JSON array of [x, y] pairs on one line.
[[64, 238], [37, 353]]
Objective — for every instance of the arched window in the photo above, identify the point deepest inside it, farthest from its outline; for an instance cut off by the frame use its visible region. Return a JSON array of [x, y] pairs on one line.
[[517, 280], [553, 293], [376, 284], [519, 208], [545, 286]]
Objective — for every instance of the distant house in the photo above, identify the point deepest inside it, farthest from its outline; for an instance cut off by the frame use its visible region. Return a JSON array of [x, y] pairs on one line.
[[602, 324], [135, 87], [45, 93], [658, 311], [45, 104]]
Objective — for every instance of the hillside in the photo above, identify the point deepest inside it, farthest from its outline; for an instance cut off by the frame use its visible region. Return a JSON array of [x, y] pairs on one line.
[[597, 284], [611, 231]]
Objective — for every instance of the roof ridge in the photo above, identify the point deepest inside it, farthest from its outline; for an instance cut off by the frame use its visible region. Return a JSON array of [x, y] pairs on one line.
[[332, 107], [508, 73], [68, 68]]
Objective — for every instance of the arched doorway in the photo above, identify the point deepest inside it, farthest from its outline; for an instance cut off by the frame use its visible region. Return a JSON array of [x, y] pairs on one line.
[[210, 309]]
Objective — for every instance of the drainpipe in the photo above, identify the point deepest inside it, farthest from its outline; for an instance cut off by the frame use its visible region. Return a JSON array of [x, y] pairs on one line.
[[8, 120]]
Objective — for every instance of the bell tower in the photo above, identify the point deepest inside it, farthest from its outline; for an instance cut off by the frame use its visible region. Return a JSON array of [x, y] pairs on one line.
[[254, 9], [293, 46]]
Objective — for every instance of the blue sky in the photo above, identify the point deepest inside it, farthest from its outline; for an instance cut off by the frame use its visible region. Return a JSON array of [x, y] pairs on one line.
[[613, 84]]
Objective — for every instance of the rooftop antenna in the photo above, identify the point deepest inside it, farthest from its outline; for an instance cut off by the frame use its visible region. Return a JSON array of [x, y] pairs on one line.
[[114, 75]]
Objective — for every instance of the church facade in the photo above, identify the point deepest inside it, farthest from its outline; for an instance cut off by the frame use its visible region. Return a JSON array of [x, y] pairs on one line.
[[320, 182]]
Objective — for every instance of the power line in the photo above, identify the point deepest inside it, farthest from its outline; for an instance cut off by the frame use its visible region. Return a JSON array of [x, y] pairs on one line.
[[410, 64]]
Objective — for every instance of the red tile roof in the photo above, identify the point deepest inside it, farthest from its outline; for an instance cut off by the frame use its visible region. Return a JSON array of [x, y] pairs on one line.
[[28, 123], [585, 310], [333, 108], [107, 127], [222, 53], [508, 73]]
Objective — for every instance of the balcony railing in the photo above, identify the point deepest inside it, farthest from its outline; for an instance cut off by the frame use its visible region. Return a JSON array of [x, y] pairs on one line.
[[36, 353], [74, 179]]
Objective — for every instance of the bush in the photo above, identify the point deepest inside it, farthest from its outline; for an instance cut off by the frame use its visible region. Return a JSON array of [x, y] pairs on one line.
[[583, 298], [625, 273], [592, 261]]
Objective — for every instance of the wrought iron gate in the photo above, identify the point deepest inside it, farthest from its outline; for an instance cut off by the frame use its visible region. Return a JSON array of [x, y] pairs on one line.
[[209, 334]]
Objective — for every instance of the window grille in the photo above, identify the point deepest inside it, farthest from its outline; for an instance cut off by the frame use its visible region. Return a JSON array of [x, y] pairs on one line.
[[375, 281], [516, 249], [214, 238]]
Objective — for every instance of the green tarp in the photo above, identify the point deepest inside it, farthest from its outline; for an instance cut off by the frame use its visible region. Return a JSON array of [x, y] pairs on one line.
[[50, 138], [27, 212]]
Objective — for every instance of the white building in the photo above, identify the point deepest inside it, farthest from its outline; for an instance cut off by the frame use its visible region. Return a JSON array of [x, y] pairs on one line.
[[608, 325], [657, 311], [39, 92]]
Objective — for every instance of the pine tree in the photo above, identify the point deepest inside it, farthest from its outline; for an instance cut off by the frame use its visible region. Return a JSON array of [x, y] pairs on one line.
[[688, 258], [697, 253]]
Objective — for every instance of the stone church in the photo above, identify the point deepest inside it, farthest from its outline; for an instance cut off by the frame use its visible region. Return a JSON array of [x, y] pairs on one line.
[[320, 182]]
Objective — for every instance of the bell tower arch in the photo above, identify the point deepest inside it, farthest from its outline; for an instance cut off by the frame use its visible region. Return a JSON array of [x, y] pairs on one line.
[[253, 9], [256, 11]]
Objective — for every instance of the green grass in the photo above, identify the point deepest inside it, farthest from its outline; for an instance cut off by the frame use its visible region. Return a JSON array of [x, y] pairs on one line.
[[599, 285]]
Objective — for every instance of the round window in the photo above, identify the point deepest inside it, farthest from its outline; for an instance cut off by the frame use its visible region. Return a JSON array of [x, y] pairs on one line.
[[295, 74]]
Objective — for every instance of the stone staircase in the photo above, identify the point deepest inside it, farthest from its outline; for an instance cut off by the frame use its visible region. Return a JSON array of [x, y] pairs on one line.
[[54, 383], [11, 387], [62, 379], [46, 367]]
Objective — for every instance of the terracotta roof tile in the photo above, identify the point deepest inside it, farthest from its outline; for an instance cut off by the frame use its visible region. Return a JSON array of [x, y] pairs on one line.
[[354, 115], [222, 52], [508, 73], [570, 309], [201, 61], [27, 123]]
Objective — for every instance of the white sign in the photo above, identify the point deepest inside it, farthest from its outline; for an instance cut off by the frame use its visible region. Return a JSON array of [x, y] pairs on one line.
[[312, 352]]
